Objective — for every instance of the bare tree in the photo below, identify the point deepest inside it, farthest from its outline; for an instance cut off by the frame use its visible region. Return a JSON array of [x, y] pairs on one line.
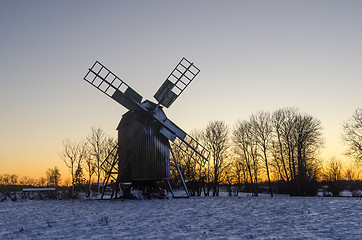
[[42, 181], [246, 149], [333, 170], [5, 179], [91, 169], [351, 172], [280, 162], [284, 144], [13, 179], [297, 140], [99, 147], [25, 180], [53, 176], [308, 139], [332, 174], [240, 174], [217, 141], [96, 150], [8, 179], [73, 155], [352, 136], [263, 129]]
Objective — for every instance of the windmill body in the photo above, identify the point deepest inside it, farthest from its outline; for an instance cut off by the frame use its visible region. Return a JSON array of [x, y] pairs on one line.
[[144, 132], [143, 151]]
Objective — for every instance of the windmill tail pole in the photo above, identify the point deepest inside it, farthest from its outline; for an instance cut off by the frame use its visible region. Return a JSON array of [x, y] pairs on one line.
[[179, 171]]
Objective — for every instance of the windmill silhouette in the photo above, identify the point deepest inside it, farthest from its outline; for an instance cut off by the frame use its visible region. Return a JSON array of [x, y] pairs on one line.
[[142, 155]]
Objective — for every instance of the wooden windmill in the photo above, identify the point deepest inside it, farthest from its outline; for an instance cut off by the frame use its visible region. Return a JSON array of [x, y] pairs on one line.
[[142, 156]]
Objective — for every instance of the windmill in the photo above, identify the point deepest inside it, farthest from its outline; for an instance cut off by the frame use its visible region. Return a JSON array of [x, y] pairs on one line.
[[145, 134]]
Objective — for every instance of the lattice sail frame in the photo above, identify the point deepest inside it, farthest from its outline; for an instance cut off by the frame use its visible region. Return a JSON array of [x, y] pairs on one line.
[[176, 82], [107, 82], [193, 149]]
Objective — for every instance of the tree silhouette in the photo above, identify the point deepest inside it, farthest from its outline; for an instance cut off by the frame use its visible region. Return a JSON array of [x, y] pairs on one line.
[[53, 176], [263, 129], [246, 148], [352, 136], [99, 146], [79, 178], [217, 141], [73, 155]]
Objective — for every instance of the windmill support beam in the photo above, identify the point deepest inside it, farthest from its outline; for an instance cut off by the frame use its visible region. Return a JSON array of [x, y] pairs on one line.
[[180, 174]]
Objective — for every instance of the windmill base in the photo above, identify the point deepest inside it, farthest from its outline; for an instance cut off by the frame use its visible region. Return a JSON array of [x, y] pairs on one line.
[[143, 190]]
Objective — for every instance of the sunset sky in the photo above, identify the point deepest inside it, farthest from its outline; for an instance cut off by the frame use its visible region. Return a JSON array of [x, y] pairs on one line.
[[253, 55]]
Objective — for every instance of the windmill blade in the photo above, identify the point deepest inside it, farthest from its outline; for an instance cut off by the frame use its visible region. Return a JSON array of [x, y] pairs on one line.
[[176, 82], [107, 82], [186, 143], [194, 149]]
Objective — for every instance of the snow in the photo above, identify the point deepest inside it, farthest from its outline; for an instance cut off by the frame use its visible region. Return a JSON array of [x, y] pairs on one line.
[[38, 189], [243, 217]]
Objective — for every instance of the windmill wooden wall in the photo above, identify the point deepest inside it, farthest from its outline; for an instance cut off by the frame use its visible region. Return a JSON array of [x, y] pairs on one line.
[[144, 153]]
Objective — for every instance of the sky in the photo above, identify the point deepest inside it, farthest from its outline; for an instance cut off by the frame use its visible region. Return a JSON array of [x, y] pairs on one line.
[[253, 55]]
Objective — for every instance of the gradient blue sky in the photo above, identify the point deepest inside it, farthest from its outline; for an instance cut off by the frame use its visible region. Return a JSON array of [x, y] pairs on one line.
[[253, 55]]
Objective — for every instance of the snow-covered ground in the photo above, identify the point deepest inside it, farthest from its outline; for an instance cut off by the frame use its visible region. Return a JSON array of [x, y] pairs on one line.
[[244, 217]]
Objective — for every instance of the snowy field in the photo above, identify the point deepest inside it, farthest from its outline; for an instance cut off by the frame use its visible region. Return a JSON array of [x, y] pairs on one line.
[[243, 217]]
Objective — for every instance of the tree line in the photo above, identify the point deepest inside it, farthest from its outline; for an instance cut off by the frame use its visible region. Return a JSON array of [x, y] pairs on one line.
[[281, 147], [52, 178]]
